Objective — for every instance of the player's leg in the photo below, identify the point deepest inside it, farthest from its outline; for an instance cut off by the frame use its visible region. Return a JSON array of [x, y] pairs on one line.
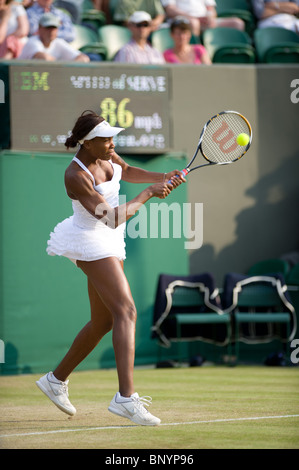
[[110, 282], [100, 323], [54, 385]]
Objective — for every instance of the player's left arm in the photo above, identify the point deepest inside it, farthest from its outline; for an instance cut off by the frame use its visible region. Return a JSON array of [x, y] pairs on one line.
[[133, 174]]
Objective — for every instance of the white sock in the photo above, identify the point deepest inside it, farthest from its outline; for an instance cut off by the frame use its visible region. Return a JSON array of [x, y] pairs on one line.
[[53, 379]]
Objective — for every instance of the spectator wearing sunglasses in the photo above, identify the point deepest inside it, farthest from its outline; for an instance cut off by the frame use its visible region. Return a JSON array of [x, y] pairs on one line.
[[138, 50], [183, 52]]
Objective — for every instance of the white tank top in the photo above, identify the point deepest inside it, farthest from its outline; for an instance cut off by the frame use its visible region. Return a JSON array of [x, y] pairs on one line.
[[109, 190]]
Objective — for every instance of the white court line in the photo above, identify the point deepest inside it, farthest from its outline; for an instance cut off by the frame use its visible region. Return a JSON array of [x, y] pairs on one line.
[[104, 428]]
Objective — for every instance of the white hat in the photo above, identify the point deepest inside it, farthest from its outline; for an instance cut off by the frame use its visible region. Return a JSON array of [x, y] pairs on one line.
[[48, 20], [139, 16], [102, 130]]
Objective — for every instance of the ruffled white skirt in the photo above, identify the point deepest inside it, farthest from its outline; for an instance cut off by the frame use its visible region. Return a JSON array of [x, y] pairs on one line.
[[86, 243]]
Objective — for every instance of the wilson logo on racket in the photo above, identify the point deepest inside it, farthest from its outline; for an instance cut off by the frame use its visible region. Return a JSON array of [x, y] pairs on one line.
[[223, 136]]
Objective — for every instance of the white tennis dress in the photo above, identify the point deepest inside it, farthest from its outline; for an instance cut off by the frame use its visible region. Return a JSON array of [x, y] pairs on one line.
[[82, 236]]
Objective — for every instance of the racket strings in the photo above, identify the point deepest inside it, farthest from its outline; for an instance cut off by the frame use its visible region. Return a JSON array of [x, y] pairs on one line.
[[219, 141]]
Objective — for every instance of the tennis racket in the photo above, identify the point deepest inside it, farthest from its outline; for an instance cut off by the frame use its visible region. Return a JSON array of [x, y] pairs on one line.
[[217, 142]]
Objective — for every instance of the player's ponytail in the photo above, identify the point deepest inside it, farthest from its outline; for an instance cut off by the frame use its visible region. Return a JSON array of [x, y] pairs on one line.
[[71, 142], [84, 124]]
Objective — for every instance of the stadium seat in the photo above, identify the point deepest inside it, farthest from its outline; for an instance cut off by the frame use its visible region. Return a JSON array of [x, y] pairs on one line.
[[189, 310], [186, 296], [276, 45], [93, 19], [261, 310], [269, 266], [112, 7], [87, 41], [113, 37], [161, 39], [237, 8], [292, 281], [228, 45], [292, 277]]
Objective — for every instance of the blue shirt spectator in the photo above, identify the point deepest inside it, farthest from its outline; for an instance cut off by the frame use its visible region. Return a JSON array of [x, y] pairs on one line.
[[66, 29]]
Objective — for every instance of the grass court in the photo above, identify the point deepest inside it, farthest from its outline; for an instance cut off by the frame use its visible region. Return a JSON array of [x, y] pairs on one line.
[[208, 407]]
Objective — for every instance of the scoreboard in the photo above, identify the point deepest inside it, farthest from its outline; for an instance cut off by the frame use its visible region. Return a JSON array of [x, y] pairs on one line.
[[46, 100]]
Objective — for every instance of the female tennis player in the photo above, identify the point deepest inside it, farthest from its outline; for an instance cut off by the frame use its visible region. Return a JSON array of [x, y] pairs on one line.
[[93, 238]]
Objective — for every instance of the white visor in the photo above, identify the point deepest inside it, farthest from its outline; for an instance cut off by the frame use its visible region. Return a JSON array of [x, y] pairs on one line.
[[102, 130]]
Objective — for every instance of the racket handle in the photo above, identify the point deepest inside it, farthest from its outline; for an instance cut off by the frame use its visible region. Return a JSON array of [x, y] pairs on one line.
[[183, 172]]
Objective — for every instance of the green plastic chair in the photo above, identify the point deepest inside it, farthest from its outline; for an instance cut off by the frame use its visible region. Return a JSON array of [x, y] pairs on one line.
[[259, 309], [292, 281], [112, 7], [225, 5], [87, 41], [113, 37], [162, 40], [91, 17], [237, 8], [228, 45], [269, 266], [293, 276], [94, 18], [186, 295], [276, 45]]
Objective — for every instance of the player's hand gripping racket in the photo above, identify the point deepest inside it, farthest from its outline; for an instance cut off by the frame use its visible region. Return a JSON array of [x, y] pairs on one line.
[[218, 140]]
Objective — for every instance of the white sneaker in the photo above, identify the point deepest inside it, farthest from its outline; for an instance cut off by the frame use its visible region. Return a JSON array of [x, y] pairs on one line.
[[57, 392], [134, 409]]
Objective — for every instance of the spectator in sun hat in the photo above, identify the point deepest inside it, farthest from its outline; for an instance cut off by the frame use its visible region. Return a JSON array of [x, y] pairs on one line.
[[138, 50], [47, 46], [66, 28]]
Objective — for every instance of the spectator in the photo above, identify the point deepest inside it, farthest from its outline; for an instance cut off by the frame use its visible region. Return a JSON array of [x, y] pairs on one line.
[[125, 8], [47, 46], [66, 29], [184, 52], [201, 13], [283, 14], [138, 50], [14, 29]]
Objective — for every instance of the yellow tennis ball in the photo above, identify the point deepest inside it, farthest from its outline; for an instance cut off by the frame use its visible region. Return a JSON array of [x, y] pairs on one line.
[[242, 139]]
